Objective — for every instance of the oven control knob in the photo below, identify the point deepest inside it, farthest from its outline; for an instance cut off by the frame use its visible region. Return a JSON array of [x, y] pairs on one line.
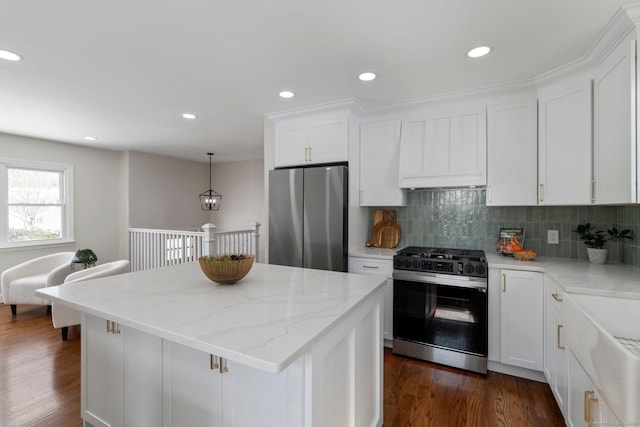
[[415, 263], [468, 269], [480, 269], [407, 263], [398, 263]]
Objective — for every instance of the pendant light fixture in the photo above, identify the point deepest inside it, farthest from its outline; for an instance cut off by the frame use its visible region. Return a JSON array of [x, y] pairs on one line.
[[210, 200]]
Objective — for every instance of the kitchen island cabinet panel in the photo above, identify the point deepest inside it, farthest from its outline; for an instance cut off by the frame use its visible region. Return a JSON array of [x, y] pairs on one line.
[[122, 373]]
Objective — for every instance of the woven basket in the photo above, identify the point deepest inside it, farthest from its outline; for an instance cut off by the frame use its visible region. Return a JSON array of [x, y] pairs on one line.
[[226, 272], [524, 255]]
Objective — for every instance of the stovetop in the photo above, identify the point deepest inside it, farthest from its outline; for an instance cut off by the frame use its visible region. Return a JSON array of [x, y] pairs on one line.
[[461, 262]]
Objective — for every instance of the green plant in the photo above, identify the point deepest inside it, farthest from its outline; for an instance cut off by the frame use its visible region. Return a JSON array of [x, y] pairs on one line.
[[86, 257], [597, 238]]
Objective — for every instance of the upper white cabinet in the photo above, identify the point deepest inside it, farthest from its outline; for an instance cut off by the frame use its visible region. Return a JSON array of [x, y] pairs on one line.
[[447, 149], [379, 158], [511, 153], [311, 140], [614, 142], [564, 144]]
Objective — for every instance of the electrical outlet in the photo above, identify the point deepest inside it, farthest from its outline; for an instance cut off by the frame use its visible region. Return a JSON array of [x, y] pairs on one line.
[[552, 237]]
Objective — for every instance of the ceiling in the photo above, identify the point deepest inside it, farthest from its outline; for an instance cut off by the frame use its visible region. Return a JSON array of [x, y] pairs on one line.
[[125, 71]]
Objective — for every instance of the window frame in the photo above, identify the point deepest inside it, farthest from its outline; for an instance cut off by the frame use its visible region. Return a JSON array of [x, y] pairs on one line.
[[66, 204]]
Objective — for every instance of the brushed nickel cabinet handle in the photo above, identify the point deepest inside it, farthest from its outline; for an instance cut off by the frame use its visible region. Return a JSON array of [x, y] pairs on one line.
[[375, 267], [116, 328], [109, 326], [213, 362], [504, 282], [556, 297], [592, 184], [310, 148], [223, 366], [588, 397], [561, 347], [490, 194], [541, 192]]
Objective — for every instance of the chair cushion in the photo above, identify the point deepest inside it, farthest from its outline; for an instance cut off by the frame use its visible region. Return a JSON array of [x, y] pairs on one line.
[[22, 290]]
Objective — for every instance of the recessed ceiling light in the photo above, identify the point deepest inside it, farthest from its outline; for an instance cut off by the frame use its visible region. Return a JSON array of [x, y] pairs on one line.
[[9, 56], [189, 116], [287, 94], [367, 76], [479, 51], [90, 138]]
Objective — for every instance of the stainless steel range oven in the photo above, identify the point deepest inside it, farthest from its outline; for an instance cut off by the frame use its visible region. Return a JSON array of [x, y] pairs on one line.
[[440, 306]]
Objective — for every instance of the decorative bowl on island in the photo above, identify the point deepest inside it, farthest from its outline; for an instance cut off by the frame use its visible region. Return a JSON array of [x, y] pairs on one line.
[[226, 269]]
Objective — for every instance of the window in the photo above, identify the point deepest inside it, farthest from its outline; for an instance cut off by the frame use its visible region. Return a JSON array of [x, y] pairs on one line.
[[37, 203]]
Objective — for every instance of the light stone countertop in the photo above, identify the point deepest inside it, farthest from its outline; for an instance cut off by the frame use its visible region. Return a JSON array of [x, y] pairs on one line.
[[371, 252], [579, 276], [266, 321]]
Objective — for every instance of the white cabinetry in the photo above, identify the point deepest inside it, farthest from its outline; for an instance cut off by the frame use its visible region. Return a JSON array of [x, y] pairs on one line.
[[383, 267], [555, 365], [205, 390], [512, 154], [564, 143], [585, 406], [121, 373], [614, 142], [311, 140], [444, 149], [521, 323], [379, 158]]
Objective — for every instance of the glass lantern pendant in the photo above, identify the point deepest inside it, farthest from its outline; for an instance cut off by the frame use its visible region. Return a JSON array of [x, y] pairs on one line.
[[210, 200]]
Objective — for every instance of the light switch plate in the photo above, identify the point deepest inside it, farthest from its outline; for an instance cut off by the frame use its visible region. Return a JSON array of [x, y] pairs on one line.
[[552, 237]]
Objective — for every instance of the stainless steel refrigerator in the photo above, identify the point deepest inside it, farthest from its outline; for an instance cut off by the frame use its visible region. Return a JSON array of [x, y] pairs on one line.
[[308, 217]]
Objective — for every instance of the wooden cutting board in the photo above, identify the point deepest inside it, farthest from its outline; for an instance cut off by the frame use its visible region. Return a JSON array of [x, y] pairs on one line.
[[385, 232]]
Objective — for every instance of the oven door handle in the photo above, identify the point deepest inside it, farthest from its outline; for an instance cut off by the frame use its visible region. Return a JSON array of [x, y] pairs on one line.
[[442, 279]]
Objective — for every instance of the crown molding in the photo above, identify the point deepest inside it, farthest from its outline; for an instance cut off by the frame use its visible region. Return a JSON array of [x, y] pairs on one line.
[[618, 27], [350, 105]]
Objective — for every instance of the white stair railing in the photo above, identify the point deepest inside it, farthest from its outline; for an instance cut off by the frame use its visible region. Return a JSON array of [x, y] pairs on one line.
[[152, 248]]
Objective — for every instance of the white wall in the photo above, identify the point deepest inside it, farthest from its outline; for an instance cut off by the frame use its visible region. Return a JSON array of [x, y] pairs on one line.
[[243, 197], [163, 192], [96, 200]]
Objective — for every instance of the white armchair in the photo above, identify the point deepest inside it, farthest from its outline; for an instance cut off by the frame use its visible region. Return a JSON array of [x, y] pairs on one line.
[[63, 316], [20, 282]]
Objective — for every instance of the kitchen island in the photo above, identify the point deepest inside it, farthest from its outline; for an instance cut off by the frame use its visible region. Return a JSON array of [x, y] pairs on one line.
[[283, 347]]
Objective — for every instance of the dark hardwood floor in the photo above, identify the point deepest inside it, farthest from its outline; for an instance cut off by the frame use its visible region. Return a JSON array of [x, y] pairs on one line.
[[40, 385]]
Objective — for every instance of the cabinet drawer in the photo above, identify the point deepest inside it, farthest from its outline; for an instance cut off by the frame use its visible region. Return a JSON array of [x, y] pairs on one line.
[[370, 266]]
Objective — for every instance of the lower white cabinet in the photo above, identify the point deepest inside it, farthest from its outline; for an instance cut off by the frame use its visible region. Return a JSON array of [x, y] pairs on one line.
[[521, 323], [123, 376], [555, 365], [202, 389], [585, 406], [380, 266], [134, 379]]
